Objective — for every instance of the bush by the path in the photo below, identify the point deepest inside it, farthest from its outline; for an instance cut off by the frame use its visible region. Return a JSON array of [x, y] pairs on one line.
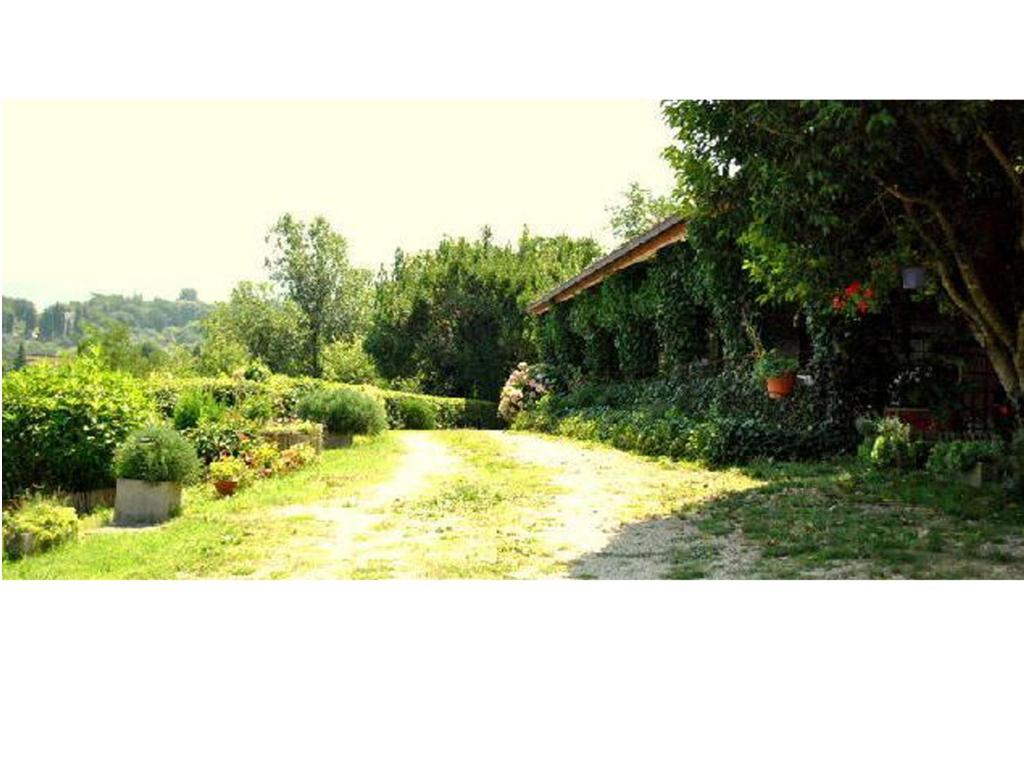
[[344, 411], [61, 425], [157, 454], [279, 396], [411, 413], [37, 526]]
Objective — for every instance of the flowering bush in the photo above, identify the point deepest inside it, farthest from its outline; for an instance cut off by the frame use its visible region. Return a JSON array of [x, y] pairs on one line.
[[295, 457], [525, 386], [855, 299]]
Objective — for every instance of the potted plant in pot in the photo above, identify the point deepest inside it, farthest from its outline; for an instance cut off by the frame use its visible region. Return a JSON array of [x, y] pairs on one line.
[[151, 466], [779, 373], [975, 462], [227, 473], [344, 412]]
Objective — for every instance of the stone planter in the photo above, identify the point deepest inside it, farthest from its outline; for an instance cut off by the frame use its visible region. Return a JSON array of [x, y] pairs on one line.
[[142, 503], [337, 440], [981, 473], [284, 439]]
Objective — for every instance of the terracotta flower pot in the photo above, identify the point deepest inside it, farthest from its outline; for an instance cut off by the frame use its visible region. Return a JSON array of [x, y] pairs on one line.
[[780, 386], [225, 487]]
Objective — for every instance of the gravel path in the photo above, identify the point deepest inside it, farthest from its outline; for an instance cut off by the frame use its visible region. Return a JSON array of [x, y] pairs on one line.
[[613, 519]]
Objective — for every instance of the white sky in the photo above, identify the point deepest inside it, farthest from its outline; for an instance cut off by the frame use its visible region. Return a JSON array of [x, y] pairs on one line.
[[150, 197]]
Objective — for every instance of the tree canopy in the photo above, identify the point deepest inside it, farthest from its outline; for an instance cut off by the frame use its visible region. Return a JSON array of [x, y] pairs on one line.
[[310, 264], [454, 317], [809, 197]]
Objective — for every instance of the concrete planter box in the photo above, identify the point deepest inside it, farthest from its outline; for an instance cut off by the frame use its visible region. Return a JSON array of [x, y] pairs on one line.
[[337, 440], [284, 439], [142, 503], [980, 474]]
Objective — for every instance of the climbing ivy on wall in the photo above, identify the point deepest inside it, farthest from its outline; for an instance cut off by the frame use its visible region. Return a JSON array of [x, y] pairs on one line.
[[648, 320]]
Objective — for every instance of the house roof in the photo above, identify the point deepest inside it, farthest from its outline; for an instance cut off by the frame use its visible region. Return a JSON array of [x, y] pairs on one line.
[[640, 248]]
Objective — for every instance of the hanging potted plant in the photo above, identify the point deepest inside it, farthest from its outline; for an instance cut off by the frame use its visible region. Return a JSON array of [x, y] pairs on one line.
[[779, 373], [227, 473]]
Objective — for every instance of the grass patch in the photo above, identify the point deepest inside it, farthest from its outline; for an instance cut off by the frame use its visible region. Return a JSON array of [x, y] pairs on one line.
[[217, 537], [841, 520]]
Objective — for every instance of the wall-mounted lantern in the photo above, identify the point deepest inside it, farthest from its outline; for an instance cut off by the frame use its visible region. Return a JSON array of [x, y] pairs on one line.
[[913, 278]]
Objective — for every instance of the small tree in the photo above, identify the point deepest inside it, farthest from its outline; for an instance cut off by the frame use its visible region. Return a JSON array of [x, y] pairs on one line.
[[20, 360], [310, 264]]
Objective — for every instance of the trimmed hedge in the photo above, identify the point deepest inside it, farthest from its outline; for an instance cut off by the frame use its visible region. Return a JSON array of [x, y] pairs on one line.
[[344, 411], [62, 424], [284, 393]]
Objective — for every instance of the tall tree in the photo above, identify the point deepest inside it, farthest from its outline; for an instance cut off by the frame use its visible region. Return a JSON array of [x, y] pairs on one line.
[[310, 264], [268, 326], [454, 317], [809, 196]]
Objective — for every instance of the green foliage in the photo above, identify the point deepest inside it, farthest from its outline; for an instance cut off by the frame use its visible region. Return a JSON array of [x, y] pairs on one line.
[[230, 436], [807, 197], [412, 413], [890, 446], [195, 405], [640, 210], [157, 454], [310, 264], [36, 526], [962, 455], [349, 363], [773, 364], [61, 425], [229, 468], [259, 324], [651, 319], [715, 416], [454, 317], [344, 411]]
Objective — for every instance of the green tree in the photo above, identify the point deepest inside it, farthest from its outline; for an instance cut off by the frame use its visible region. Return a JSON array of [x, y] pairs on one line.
[[267, 326], [454, 317], [20, 360], [310, 264], [188, 294], [810, 196]]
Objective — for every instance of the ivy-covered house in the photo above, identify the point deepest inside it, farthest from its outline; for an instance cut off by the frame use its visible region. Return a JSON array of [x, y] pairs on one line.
[[652, 309]]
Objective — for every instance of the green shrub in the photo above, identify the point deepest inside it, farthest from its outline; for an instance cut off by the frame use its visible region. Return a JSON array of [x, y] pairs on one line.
[[229, 468], [890, 446], [348, 362], [414, 413], [962, 455], [157, 454], [37, 526], [61, 425], [195, 405], [344, 411], [229, 436]]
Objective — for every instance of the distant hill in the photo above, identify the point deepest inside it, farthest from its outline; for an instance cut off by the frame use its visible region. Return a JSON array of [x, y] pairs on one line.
[[60, 325]]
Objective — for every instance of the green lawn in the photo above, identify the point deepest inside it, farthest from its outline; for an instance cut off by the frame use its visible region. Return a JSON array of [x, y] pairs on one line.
[[841, 520], [219, 537]]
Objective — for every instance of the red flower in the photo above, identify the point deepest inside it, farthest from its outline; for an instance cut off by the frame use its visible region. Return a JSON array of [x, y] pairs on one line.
[[838, 304], [853, 288], [868, 293], [862, 307]]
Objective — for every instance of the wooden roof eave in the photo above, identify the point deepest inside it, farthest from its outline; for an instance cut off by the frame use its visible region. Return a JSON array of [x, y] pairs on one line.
[[638, 250]]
